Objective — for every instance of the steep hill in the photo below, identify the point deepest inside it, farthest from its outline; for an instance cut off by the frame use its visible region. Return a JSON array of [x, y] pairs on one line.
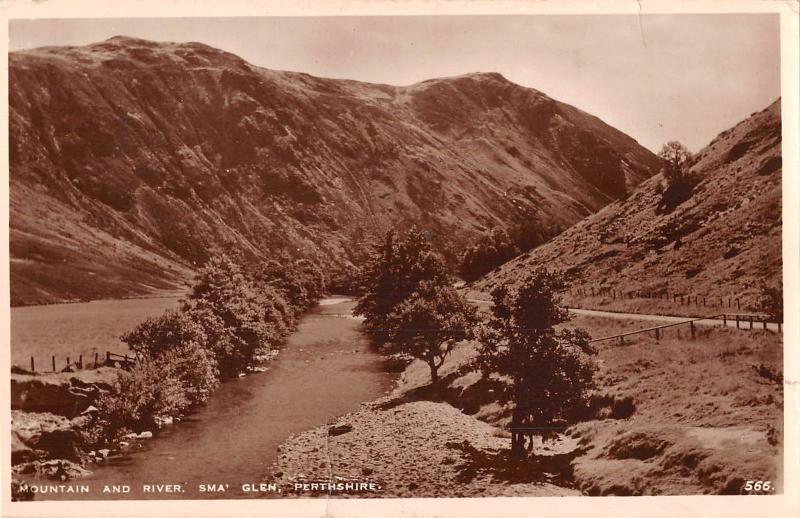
[[723, 241], [132, 161]]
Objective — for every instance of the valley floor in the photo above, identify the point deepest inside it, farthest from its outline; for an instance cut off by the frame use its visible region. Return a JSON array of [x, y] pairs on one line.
[[669, 416]]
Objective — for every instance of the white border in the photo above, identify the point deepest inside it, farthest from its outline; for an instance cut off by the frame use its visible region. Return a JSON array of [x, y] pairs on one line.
[[787, 504]]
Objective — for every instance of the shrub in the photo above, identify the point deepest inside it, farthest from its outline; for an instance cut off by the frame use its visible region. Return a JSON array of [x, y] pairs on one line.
[[179, 344], [550, 371], [135, 402], [239, 323]]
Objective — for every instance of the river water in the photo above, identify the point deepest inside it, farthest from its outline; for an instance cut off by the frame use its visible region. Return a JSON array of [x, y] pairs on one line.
[[326, 369]]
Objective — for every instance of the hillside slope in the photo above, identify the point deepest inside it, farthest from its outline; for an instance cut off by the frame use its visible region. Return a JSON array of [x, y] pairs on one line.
[[132, 161], [724, 241]]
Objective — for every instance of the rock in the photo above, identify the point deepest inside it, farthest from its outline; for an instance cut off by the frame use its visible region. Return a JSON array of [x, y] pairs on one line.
[[54, 436], [104, 453], [55, 469], [340, 429], [130, 436], [367, 471], [20, 452], [145, 435], [124, 444], [67, 394], [164, 421], [90, 410]]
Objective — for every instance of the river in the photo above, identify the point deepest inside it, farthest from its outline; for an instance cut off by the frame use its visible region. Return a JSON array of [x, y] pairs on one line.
[[326, 369]]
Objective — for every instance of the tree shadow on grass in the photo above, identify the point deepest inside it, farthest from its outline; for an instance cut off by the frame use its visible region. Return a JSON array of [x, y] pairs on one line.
[[500, 466]]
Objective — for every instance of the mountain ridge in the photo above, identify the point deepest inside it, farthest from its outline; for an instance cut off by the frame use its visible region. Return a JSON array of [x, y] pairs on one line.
[[132, 161], [724, 241]]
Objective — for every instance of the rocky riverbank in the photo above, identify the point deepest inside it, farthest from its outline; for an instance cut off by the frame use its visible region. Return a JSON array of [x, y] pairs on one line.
[[671, 416]]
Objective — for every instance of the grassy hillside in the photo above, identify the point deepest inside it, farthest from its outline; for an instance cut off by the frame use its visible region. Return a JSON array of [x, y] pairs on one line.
[[133, 161], [723, 241]]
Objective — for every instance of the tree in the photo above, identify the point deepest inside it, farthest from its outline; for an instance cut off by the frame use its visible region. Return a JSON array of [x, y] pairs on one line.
[[239, 322], [179, 345], [549, 370], [680, 184], [430, 322], [395, 269], [772, 301], [489, 252], [676, 155]]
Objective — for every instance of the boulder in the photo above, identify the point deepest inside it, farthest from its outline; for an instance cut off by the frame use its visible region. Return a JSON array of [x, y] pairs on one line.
[[340, 429], [62, 393], [48, 435], [20, 452]]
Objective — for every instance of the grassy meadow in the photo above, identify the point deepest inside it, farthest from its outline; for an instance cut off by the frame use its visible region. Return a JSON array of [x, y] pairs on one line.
[[69, 330]]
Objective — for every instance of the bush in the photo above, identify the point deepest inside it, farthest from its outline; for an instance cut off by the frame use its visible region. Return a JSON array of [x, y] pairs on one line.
[[237, 318], [395, 269], [772, 302], [135, 403], [178, 343], [550, 371]]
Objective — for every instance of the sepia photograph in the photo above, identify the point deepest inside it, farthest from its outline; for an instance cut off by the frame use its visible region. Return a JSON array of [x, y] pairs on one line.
[[380, 256]]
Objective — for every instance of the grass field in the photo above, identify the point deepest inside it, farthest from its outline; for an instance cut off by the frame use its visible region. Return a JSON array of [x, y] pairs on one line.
[[674, 415], [69, 330]]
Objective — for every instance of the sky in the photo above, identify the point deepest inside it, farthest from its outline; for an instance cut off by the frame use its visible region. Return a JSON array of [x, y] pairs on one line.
[[655, 77]]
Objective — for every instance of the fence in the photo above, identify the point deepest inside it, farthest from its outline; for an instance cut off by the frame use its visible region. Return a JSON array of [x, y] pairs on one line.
[[741, 321], [111, 359], [677, 298]]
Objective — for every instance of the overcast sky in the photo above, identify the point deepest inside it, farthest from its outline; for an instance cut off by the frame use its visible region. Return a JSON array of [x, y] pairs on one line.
[[655, 77]]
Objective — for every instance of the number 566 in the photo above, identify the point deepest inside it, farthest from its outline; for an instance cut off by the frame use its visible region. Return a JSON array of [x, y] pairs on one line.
[[758, 485]]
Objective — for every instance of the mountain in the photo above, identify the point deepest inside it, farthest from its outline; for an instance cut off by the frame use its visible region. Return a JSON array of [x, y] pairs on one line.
[[131, 161], [723, 241]]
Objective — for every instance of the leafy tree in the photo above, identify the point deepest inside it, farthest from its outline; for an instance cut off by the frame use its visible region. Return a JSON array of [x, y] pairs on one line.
[[239, 324], [178, 344], [772, 301], [676, 156], [549, 370], [680, 184], [135, 402], [430, 322], [396, 268], [488, 253]]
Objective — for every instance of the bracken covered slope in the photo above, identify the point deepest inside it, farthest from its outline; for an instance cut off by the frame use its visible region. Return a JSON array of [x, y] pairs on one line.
[[132, 161], [724, 241]]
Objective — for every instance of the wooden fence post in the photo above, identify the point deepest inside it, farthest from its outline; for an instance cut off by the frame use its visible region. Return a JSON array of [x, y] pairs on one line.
[[95, 359], [737, 321], [738, 305], [68, 362], [108, 357], [751, 321], [657, 334], [691, 326], [765, 324], [80, 361], [724, 320], [33, 367], [54, 363]]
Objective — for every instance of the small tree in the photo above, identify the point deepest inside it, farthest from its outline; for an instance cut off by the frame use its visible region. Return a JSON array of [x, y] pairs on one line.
[[430, 322], [676, 155], [178, 344], [489, 252], [679, 183], [396, 268], [549, 370], [772, 301], [240, 322]]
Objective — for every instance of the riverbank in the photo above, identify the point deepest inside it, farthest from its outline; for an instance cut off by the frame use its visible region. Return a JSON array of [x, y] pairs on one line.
[[668, 416], [325, 369]]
